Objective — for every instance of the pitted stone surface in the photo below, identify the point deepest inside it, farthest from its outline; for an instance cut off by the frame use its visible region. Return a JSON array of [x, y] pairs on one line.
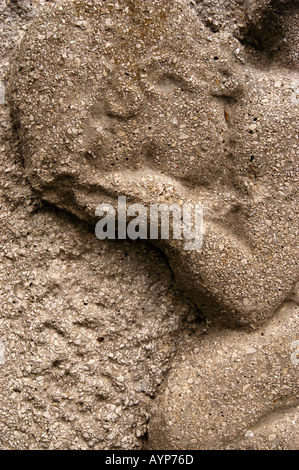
[[82, 348], [114, 99], [234, 391], [89, 330]]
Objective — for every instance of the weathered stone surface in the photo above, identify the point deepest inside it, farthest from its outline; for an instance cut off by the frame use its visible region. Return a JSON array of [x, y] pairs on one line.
[[272, 30], [232, 390], [113, 99], [89, 329]]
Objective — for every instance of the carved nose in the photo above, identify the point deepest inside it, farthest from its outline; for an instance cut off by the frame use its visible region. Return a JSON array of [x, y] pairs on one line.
[[228, 81], [124, 102]]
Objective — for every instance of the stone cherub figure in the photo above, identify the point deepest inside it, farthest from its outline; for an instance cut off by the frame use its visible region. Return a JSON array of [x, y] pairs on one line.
[[142, 99]]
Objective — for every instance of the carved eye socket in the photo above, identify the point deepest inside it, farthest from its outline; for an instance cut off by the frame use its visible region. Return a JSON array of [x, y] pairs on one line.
[[168, 79], [170, 82], [272, 36]]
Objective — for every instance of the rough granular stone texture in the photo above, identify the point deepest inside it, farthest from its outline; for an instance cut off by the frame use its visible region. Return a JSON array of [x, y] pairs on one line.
[[159, 101], [88, 329], [232, 390], [142, 99]]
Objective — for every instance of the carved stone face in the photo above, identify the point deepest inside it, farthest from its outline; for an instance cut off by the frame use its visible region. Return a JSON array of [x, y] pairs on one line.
[[139, 98]]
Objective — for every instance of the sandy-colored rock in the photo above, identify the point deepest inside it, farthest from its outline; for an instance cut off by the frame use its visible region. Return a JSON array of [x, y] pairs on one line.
[[232, 390], [111, 100], [120, 102], [87, 328]]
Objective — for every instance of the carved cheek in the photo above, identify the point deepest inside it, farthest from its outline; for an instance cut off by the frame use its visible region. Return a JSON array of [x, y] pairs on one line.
[[124, 103]]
